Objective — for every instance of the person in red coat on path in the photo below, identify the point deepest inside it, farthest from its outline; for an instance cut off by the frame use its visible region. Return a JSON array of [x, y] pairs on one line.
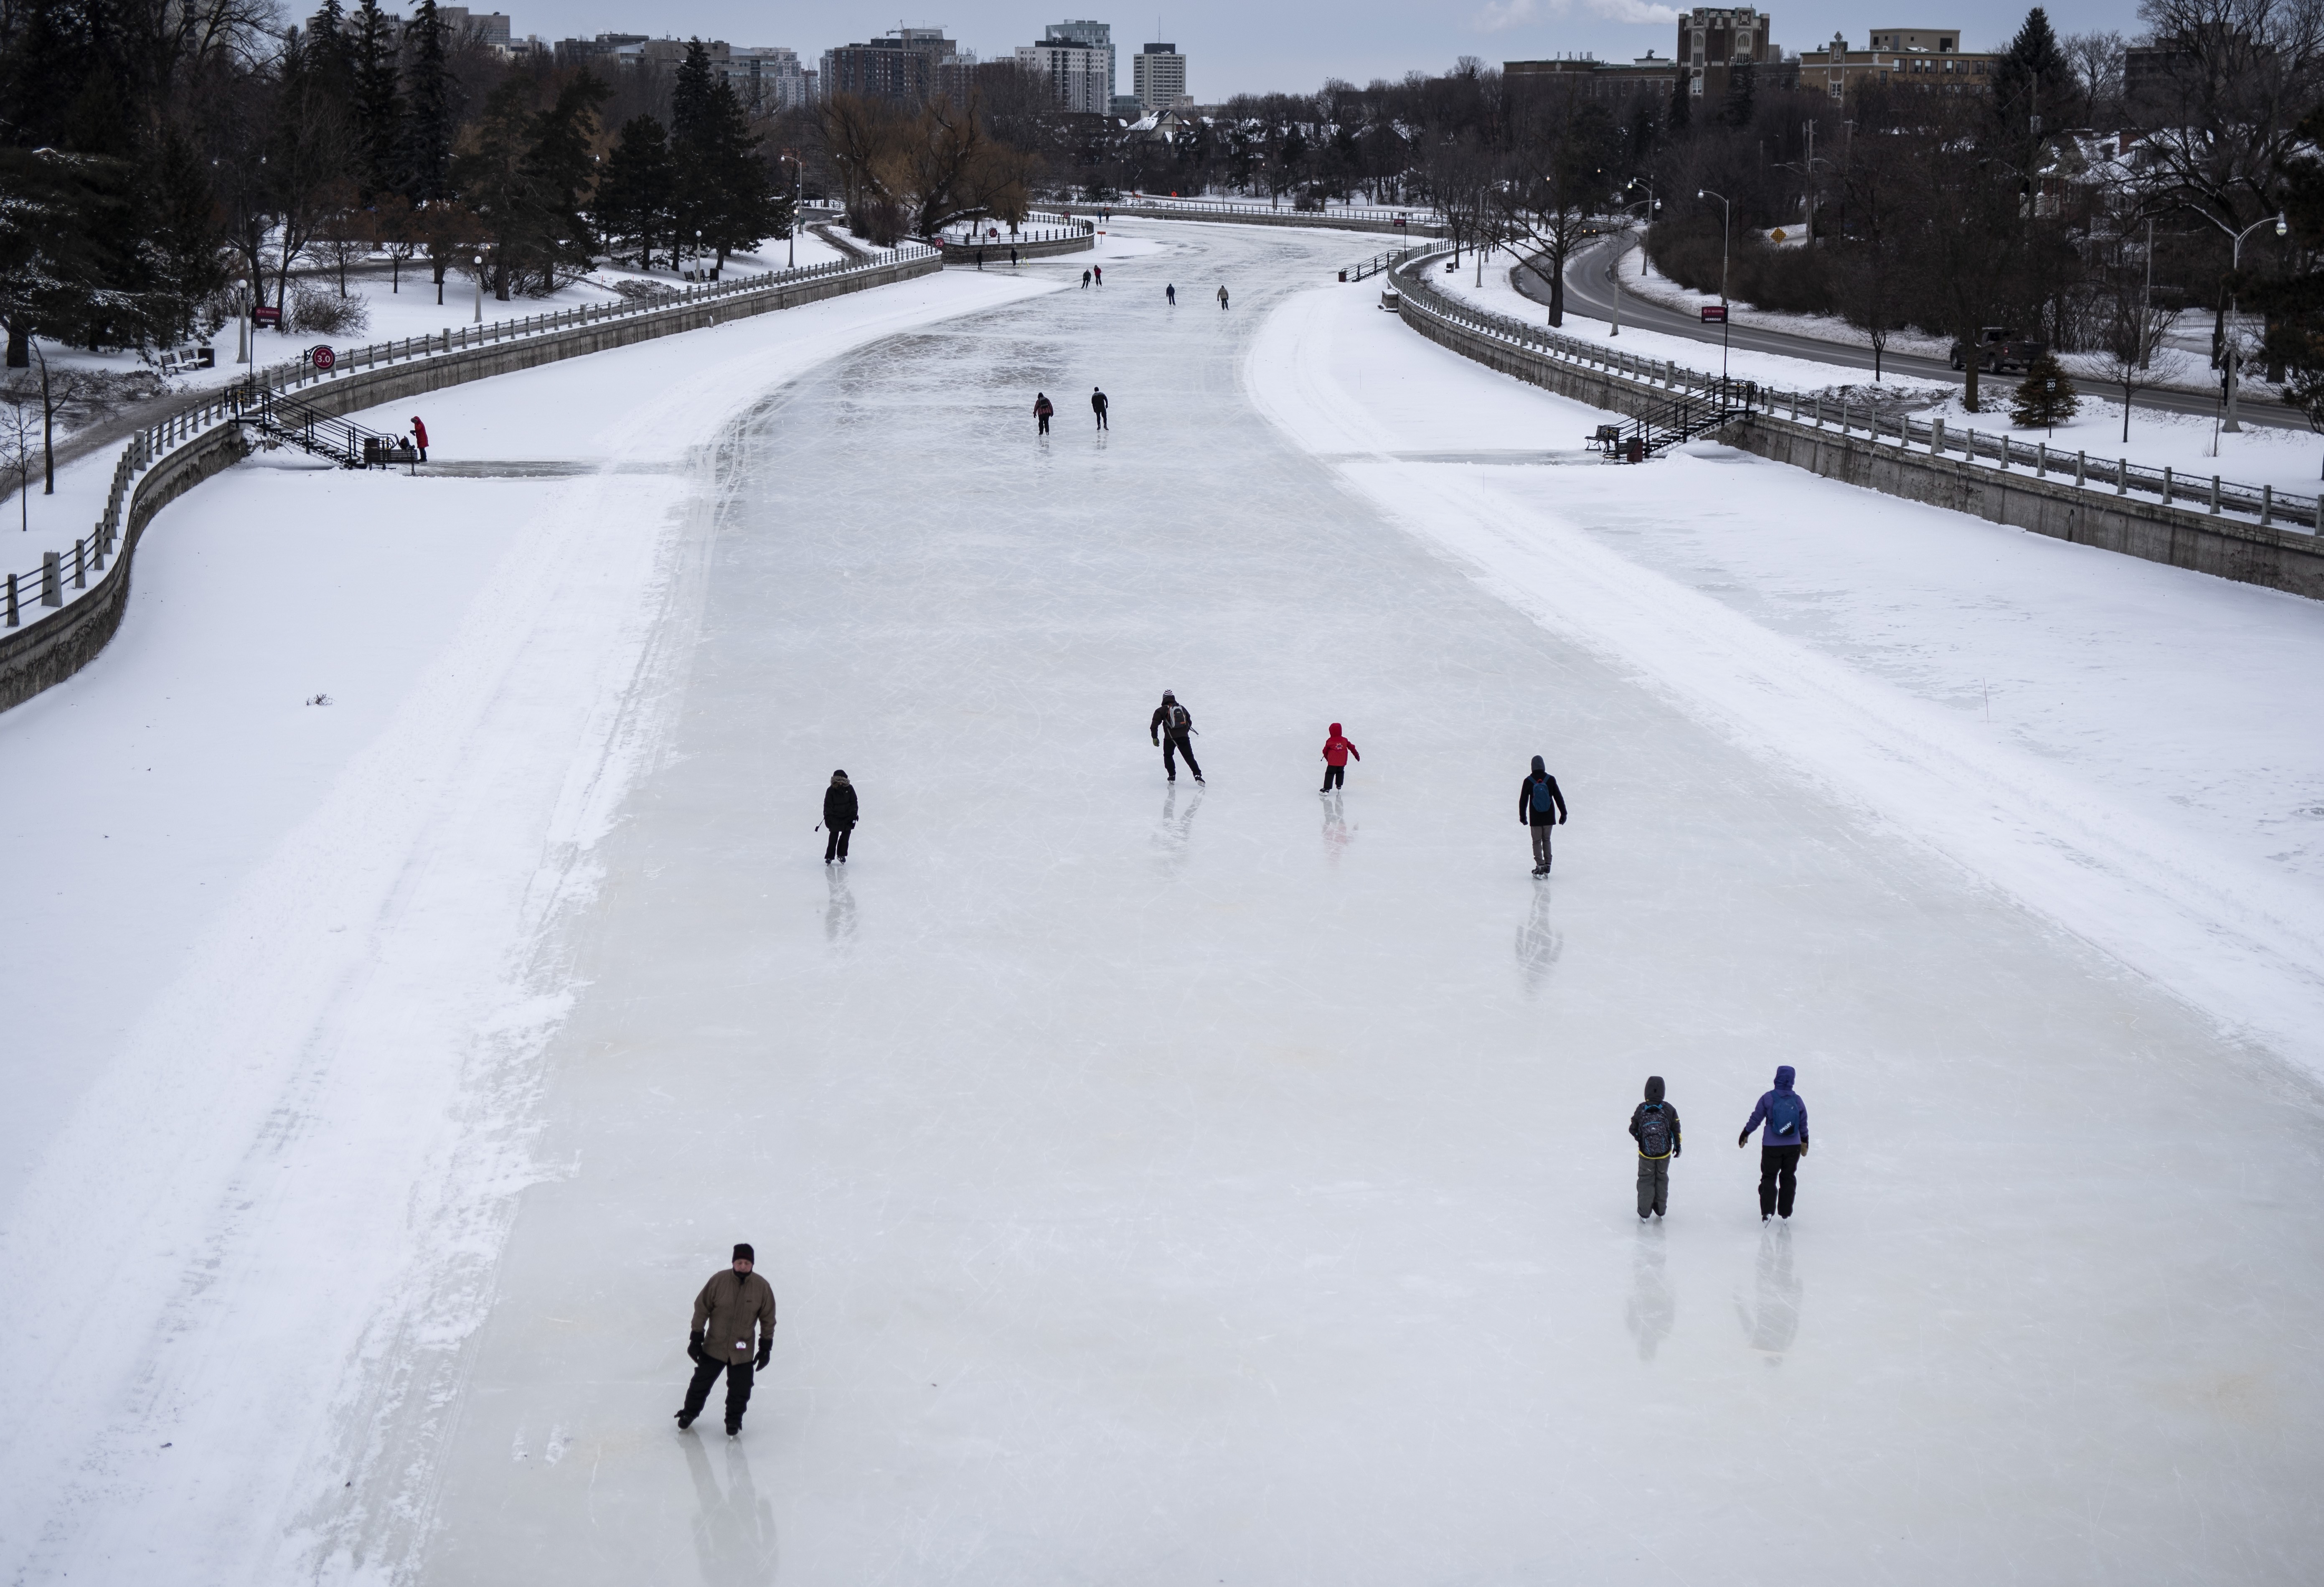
[[1337, 751], [420, 437]]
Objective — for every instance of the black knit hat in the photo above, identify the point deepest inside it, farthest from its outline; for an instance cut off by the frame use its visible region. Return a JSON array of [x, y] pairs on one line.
[[742, 1254]]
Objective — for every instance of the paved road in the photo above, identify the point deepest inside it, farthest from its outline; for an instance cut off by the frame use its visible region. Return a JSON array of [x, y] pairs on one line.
[[1589, 286]]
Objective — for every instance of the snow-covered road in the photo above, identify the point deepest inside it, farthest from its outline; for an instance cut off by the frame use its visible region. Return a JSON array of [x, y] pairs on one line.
[[1216, 1185]]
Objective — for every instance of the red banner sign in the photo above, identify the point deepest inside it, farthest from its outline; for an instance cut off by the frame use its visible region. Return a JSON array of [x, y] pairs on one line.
[[1712, 313], [263, 315]]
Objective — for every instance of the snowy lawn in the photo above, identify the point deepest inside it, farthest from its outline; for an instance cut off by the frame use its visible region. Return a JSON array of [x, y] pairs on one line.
[[2105, 738]]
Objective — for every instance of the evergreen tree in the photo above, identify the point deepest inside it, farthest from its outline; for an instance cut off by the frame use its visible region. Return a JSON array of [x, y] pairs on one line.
[[725, 190], [2032, 79], [2045, 397], [1682, 106], [636, 201], [560, 170], [424, 144], [330, 50], [377, 107], [1742, 95]]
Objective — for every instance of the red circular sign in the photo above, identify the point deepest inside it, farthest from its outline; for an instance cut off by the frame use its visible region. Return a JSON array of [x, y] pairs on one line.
[[322, 357]]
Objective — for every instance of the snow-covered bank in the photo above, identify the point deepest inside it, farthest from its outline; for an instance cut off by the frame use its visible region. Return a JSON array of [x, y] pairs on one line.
[[1496, 293], [267, 959], [2101, 737]]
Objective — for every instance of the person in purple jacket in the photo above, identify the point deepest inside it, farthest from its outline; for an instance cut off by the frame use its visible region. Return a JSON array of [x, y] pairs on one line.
[[1783, 1146]]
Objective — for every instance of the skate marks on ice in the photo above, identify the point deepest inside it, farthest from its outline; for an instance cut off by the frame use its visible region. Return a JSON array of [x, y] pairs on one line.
[[1651, 1312], [2245, 947], [1174, 832]]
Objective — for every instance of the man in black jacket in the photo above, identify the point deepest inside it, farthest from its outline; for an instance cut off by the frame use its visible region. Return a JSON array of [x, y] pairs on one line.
[[1099, 406], [733, 1306], [1540, 807], [839, 817], [1170, 727], [1654, 1125]]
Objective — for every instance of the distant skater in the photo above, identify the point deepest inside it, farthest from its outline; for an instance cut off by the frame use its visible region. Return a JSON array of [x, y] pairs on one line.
[[1172, 729], [1099, 271], [1222, 297], [1171, 293], [1540, 807], [420, 437], [1783, 1146], [1043, 411], [1085, 278], [1099, 405], [1337, 751], [735, 1304], [1012, 258], [1654, 1125], [980, 259], [839, 808]]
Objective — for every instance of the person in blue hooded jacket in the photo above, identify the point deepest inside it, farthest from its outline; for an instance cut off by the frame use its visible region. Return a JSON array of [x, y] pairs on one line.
[[1785, 1143]]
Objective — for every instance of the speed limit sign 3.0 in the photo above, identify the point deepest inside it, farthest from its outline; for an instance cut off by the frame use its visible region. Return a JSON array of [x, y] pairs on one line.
[[322, 357]]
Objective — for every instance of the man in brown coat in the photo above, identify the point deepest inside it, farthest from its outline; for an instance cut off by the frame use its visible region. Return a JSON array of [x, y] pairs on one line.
[[735, 1303]]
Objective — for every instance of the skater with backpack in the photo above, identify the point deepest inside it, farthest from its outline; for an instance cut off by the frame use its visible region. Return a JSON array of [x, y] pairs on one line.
[[1043, 411], [1783, 1146], [1172, 728], [1540, 807], [1654, 1125]]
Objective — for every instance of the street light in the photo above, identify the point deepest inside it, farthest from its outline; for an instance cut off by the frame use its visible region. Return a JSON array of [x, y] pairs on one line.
[[1615, 274], [798, 192], [2234, 265], [480, 289], [1726, 214]]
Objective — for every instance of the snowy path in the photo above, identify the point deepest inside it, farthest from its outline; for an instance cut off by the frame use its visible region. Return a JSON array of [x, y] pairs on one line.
[[1221, 1187]]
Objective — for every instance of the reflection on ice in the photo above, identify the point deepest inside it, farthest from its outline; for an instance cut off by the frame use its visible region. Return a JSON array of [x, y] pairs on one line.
[[1652, 1309], [1336, 835], [1772, 1321], [734, 1528], [839, 912], [1538, 943], [1170, 838]]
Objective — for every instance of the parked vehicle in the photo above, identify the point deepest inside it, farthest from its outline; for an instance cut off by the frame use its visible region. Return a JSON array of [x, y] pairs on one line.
[[1997, 352]]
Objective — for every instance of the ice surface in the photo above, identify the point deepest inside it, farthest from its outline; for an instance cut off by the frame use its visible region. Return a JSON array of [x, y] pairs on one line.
[[1217, 1187]]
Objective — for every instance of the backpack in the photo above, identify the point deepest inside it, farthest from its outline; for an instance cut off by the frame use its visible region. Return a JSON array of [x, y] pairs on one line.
[[1783, 1115], [1654, 1131], [1178, 720], [1541, 802]]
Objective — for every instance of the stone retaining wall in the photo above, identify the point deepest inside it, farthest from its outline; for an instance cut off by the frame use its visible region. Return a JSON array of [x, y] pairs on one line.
[[47, 651], [2092, 515]]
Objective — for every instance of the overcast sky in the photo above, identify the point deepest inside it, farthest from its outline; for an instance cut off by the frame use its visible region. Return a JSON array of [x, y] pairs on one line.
[[1289, 44]]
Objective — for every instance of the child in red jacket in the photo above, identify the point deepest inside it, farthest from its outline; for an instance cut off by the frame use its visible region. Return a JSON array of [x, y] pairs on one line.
[[1337, 751]]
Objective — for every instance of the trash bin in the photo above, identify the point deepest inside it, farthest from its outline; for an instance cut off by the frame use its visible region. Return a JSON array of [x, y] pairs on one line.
[[1343, 275], [1637, 448]]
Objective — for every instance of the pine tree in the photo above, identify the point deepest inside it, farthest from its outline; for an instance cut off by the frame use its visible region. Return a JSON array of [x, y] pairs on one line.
[[329, 56], [378, 108], [1681, 105], [2045, 397], [2032, 79], [725, 190], [424, 145], [636, 201], [1742, 94]]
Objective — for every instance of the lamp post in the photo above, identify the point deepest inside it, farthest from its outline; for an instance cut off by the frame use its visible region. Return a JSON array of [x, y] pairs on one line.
[[480, 289], [798, 192], [1615, 274], [2233, 351], [1726, 215]]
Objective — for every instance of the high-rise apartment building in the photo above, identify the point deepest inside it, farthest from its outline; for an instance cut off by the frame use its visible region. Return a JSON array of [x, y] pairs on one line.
[[1091, 35], [1078, 75], [1158, 75], [908, 65]]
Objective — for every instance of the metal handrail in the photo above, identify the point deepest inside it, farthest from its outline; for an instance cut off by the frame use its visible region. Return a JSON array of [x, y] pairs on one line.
[[2272, 509], [205, 413]]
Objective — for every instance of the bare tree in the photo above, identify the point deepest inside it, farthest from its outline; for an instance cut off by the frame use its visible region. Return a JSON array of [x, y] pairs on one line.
[[1559, 179], [2133, 328]]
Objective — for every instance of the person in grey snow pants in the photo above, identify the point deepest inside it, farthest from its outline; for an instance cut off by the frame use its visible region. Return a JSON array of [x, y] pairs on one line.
[[1540, 807], [1654, 1125]]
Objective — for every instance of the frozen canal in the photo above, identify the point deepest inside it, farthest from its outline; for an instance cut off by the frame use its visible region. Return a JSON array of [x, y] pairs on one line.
[[1220, 1185]]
